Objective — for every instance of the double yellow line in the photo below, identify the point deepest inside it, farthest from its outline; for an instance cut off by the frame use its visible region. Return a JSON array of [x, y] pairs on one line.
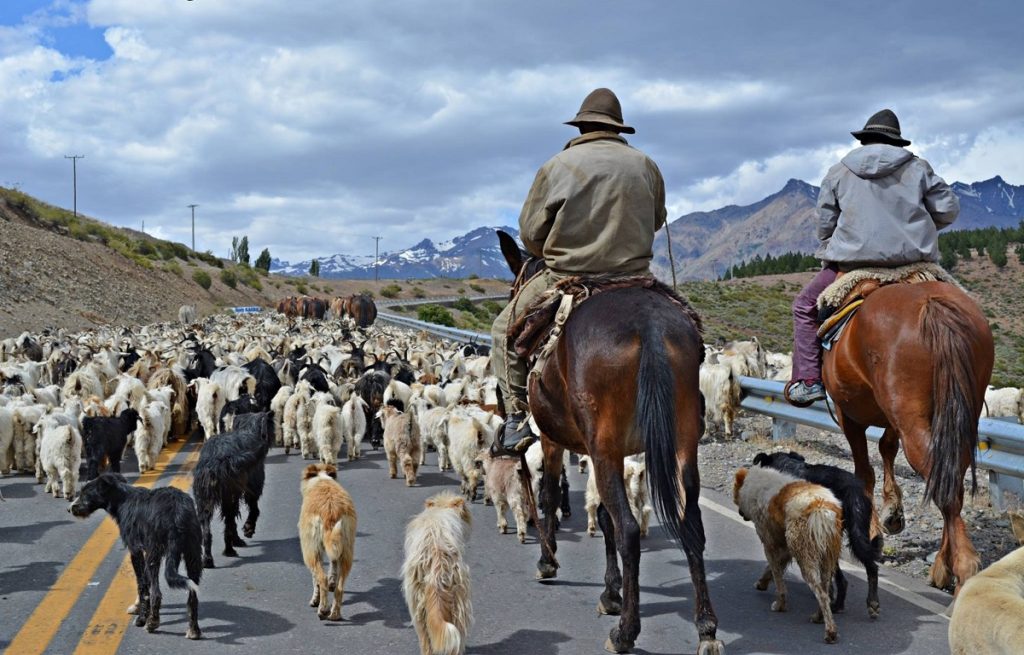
[[103, 635]]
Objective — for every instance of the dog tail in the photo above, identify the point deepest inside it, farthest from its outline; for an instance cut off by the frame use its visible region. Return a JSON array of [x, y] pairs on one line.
[[339, 544], [187, 544], [443, 636], [862, 526], [825, 526]]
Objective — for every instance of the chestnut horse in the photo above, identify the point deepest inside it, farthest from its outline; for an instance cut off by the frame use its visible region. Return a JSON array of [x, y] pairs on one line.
[[915, 361], [624, 379]]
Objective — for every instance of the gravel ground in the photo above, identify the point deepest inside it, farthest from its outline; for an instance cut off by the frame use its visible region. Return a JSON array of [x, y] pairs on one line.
[[912, 550]]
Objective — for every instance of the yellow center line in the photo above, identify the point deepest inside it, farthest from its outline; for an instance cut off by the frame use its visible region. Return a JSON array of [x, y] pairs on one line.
[[40, 628], [109, 623]]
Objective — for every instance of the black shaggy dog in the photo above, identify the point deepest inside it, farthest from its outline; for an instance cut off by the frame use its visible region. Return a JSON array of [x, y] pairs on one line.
[[230, 469], [858, 516], [105, 438], [154, 524]]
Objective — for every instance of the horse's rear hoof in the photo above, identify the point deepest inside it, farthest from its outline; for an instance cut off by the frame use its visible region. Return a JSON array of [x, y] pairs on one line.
[[609, 607], [615, 645], [893, 522], [546, 571], [711, 647]]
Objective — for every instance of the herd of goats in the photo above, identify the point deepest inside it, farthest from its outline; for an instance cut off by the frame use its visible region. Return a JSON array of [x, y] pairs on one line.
[[72, 401]]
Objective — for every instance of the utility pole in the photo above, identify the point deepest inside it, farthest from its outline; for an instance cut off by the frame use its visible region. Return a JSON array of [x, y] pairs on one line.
[[74, 179], [193, 207], [376, 256]]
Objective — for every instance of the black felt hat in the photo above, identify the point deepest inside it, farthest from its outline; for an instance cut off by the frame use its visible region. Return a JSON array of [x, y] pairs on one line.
[[883, 126]]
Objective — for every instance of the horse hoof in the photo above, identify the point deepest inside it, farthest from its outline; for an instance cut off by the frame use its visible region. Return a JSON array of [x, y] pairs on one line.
[[609, 607], [711, 647], [893, 523], [194, 633], [614, 645], [249, 529], [546, 571], [208, 563]]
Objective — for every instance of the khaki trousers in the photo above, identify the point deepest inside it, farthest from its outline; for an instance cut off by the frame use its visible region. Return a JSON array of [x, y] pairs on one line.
[[510, 369]]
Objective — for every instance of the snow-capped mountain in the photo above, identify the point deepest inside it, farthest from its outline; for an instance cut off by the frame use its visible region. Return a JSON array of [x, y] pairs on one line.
[[474, 253]]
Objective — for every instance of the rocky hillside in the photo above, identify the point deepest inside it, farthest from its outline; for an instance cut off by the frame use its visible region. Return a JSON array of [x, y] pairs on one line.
[[59, 270]]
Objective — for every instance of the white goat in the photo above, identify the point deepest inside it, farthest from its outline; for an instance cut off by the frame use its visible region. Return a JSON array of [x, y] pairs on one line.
[[60, 456], [720, 386], [504, 487], [353, 422], [467, 441], [328, 432], [209, 402], [150, 434], [277, 407], [634, 476]]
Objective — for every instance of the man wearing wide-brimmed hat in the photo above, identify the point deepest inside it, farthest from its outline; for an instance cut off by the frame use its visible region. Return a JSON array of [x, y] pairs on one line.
[[593, 208], [879, 206]]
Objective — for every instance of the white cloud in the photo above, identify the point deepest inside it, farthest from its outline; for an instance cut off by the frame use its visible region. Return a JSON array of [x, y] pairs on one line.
[[664, 96]]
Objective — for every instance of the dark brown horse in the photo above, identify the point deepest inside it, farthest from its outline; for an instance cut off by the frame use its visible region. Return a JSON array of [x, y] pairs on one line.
[[363, 310], [915, 360], [623, 380]]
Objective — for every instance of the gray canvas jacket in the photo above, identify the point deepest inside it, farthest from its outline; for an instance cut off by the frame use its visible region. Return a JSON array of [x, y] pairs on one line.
[[882, 206], [594, 207]]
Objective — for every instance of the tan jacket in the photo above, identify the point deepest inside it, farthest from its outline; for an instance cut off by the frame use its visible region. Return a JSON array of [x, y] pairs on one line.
[[595, 207]]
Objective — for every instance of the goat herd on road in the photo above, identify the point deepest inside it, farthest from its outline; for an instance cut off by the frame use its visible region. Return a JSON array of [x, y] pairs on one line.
[[79, 400]]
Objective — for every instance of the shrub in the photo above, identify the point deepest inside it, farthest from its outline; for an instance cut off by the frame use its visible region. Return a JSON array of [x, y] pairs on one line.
[[301, 288], [492, 307], [464, 305], [249, 277], [366, 292], [435, 314], [472, 276], [228, 277], [477, 288], [202, 278], [173, 267], [391, 291], [418, 292]]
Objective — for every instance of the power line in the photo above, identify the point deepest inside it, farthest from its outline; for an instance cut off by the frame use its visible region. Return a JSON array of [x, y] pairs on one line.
[[74, 179], [193, 207], [376, 257]]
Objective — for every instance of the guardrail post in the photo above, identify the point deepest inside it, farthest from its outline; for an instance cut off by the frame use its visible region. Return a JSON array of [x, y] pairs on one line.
[[783, 430], [998, 484]]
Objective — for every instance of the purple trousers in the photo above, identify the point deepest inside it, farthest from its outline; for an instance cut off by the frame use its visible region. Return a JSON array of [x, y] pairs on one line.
[[806, 347]]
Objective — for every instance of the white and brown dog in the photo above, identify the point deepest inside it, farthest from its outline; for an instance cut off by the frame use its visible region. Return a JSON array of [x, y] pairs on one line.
[[435, 575], [988, 617], [795, 520], [327, 526]]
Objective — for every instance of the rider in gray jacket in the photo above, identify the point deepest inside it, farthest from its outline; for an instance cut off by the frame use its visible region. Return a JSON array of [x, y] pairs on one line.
[[880, 206]]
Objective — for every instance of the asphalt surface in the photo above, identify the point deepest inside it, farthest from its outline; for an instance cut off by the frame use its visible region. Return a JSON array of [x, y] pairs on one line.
[[52, 601]]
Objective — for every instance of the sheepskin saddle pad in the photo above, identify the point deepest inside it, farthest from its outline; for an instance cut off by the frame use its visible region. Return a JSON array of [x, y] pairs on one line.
[[860, 283], [535, 334]]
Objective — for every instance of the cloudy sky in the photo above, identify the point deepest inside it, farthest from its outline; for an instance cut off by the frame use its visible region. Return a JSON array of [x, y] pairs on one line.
[[313, 125]]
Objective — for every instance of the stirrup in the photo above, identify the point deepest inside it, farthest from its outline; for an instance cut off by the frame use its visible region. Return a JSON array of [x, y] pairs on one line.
[[513, 437]]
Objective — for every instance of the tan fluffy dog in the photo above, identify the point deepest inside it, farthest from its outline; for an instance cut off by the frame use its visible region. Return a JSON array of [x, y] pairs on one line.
[[795, 520], [988, 617], [327, 525], [435, 576]]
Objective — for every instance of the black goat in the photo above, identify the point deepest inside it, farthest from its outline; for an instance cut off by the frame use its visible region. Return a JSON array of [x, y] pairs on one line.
[[105, 438], [858, 516], [244, 404], [154, 524], [370, 388], [230, 469], [203, 364], [316, 377], [267, 382]]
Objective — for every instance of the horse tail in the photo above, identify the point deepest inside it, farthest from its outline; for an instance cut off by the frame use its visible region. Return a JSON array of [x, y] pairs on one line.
[[655, 419], [955, 407]]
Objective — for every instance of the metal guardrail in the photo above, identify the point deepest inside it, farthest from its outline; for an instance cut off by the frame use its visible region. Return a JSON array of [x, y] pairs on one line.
[[1000, 449], [443, 300], [450, 333]]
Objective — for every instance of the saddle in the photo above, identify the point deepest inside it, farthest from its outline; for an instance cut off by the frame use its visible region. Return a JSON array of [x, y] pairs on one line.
[[838, 303], [534, 335]]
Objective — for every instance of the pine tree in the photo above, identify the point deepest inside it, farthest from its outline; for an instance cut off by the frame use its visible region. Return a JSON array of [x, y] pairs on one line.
[[243, 251], [314, 268], [263, 261]]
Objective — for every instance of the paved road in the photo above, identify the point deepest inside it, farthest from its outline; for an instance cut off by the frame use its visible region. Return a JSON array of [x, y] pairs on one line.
[[61, 590]]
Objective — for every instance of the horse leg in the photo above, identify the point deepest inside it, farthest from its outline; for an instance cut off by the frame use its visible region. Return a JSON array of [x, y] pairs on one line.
[[566, 509], [611, 597], [892, 495], [549, 500], [857, 438], [956, 555], [627, 542], [693, 546]]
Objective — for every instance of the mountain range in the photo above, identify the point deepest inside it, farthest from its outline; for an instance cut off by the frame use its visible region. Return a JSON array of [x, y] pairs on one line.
[[704, 244]]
